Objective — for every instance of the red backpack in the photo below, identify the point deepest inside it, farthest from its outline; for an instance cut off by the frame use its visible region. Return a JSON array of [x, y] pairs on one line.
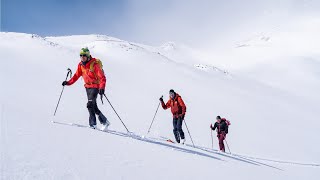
[[227, 121]]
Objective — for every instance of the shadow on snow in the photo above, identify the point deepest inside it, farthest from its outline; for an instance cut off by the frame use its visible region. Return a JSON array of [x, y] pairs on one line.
[[156, 141]]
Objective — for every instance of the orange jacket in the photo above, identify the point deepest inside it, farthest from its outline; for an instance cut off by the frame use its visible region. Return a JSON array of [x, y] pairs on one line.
[[95, 79], [177, 106]]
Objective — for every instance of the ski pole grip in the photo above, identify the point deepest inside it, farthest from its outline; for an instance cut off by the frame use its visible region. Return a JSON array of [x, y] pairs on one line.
[[69, 71]]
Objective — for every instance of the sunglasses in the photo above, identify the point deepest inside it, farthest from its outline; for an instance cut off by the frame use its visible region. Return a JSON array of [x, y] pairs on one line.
[[83, 55]]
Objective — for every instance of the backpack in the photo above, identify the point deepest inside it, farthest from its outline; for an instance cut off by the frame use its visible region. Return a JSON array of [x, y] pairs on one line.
[[227, 121], [91, 69], [228, 124], [97, 61]]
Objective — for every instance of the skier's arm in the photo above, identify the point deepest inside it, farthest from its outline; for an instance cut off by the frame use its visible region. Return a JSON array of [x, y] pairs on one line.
[[101, 76], [215, 126], [165, 106], [76, 76]]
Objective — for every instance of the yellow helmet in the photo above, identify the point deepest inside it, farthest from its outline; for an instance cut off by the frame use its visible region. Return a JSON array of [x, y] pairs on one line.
[[85, 51]]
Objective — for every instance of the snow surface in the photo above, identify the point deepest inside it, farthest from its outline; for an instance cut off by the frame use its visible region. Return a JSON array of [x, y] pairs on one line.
[[274, 132]]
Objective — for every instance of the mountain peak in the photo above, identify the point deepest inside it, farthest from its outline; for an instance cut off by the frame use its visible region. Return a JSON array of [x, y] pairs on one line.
[[169, 46]]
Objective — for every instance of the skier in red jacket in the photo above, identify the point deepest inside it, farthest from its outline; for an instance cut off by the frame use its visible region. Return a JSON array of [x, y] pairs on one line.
[[95, 81], [178, 110]]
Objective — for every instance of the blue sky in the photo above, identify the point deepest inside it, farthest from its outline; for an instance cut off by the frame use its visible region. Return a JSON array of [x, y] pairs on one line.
[[69, 17], [61, 17], [193, 22]]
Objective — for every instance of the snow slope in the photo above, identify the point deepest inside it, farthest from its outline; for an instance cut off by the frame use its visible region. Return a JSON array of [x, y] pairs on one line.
[[285, 58], [273, 135]]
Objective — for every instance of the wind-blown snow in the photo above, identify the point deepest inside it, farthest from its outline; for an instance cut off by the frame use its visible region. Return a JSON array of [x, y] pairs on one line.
[[274, 132]]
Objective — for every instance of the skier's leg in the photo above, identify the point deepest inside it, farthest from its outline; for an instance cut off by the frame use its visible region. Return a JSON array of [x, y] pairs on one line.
[[175, 130], [94, 97], [103, 120], [90, 105], [179, 128], [223, 138], [221, 144]]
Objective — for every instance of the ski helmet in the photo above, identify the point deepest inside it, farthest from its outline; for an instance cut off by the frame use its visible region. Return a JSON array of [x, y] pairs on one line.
[[85, 51]]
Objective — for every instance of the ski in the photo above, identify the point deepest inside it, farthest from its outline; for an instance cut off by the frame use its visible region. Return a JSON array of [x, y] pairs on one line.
[[169, 140], [118, 133], [81, 126]]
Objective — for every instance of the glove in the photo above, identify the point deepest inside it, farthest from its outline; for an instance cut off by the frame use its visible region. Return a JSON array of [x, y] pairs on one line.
[[211, 126], [101, 91], [161, 99], [181, 116], [64, 83]]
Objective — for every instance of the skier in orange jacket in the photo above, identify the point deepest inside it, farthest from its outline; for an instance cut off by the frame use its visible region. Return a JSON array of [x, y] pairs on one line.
[[95, 81]]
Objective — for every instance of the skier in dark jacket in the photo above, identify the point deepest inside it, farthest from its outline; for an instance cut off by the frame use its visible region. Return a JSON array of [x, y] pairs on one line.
[[178, 110], [222, 130]]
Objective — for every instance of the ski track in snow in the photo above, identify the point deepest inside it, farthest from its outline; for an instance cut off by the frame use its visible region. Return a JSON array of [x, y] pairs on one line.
[[257, 158], [178, 147], [279, 161]]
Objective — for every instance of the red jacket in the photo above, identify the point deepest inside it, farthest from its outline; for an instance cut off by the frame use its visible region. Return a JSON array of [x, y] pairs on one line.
[[95, 79], [177, 106]]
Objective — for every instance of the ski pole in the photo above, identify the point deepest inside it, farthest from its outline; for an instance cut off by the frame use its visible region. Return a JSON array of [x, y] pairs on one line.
[[116, 113], [211, 139], [227, 145], [189, 133], [154, 115], [69, 72]]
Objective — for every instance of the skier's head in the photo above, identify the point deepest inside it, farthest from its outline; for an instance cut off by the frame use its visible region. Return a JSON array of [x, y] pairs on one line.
[[84, 54], [172, 94], [218, 118]]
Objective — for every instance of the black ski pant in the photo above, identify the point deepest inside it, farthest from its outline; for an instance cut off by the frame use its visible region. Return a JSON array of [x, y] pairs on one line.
[[92, 94], [177, 129]]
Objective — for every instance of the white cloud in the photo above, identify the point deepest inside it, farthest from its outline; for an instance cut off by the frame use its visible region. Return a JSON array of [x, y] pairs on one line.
[[205, 24]]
